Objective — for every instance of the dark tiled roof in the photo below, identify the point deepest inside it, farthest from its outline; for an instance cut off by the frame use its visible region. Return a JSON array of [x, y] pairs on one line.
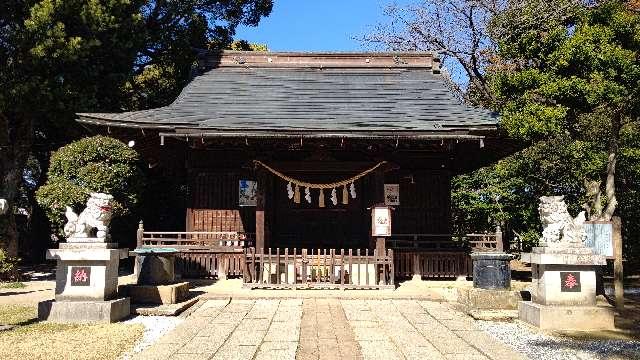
[[285, 96]]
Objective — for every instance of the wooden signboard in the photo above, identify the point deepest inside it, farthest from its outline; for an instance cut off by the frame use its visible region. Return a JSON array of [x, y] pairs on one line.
[[600, 237], [392, 194], [381, 221]]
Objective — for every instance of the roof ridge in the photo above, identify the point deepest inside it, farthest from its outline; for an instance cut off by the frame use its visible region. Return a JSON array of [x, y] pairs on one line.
[[232, 58]]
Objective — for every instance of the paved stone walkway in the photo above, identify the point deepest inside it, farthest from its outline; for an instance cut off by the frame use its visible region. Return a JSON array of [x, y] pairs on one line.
[[327, 329]]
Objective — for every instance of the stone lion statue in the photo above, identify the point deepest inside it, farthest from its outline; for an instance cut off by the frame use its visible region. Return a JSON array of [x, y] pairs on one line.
[[559, 228], [93, 221]]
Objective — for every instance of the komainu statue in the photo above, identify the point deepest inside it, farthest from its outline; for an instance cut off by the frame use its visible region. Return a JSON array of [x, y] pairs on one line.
[[559, 228], [93, 221]]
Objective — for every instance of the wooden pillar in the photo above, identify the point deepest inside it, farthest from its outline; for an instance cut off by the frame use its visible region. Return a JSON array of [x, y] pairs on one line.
[[618, 278], [381, 246], [262, 206]]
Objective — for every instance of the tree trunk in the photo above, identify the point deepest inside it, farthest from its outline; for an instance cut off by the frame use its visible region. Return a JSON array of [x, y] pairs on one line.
[[610, 186], [15, 141]]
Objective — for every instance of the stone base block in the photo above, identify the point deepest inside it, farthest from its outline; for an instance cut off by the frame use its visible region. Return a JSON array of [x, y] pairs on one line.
[[84, 311], [484, 299], [157, 294], [549, 317]]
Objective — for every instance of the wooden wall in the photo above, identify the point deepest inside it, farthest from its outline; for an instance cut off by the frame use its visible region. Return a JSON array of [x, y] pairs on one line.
[[214, 204], [213, 181]]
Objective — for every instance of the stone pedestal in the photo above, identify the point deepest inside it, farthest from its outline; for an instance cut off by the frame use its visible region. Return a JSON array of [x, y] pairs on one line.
[[155, 266], [563, 290], [86, 284], [157, 294], [491, 271], [155, 274]]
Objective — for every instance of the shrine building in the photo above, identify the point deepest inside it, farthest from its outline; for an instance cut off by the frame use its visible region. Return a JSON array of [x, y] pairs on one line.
[[311, 169]]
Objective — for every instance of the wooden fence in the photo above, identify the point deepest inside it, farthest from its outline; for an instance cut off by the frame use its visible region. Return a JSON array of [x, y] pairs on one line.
[[430, 264], [208, 264], [330, 269]]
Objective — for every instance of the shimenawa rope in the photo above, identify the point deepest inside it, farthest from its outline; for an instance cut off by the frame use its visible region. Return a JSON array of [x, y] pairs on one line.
[[319, 186]]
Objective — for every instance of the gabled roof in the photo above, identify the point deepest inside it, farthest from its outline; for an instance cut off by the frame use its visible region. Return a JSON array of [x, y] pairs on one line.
[[352, 93]]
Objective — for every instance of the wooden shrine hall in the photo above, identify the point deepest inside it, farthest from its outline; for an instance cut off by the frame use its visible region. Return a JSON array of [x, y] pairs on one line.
[[284, 157]]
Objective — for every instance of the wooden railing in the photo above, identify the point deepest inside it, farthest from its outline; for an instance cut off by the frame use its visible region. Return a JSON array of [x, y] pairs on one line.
[[208, 264], [447, 242], [201, 254], [433, 264], [303, 268], [213, 240]]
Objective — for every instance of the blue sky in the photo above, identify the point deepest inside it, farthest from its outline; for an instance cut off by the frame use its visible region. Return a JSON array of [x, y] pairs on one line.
[[316, 25]]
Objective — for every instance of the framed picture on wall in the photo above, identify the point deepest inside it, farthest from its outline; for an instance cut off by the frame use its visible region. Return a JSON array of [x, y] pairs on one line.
[[247, 194]]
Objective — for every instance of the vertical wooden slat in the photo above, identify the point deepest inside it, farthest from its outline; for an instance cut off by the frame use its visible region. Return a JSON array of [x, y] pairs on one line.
[[366, 266], [385, 268], [392, 269], [350, 269], [254, 270], [295, 271], [269, 262], [260, 266], [324, 265], [358, 260], [318, 275], [304, 266], [342, 267], [278, 265], [332, 253], [286, 265]]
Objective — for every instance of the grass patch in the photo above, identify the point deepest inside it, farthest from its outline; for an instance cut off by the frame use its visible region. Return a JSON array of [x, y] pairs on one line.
[[17, 314], [42, 340], [13, 285]]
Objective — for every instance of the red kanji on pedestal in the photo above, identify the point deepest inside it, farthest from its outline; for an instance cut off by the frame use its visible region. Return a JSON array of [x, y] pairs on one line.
[[80, 276], [570, 281]]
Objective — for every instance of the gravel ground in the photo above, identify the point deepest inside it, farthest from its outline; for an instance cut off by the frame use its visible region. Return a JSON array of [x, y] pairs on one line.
[[154, 328], [541, 346]]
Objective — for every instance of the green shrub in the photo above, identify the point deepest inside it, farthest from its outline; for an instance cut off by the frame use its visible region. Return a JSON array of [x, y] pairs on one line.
[[8, 267], [94, 164]]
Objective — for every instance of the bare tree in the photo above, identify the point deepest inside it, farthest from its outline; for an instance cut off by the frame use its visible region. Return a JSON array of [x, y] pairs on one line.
[[464, 33], [456, 29]]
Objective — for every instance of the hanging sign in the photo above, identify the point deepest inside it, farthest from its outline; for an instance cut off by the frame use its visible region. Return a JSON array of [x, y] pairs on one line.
[[247, 193], [392, 194], [381, 221]]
